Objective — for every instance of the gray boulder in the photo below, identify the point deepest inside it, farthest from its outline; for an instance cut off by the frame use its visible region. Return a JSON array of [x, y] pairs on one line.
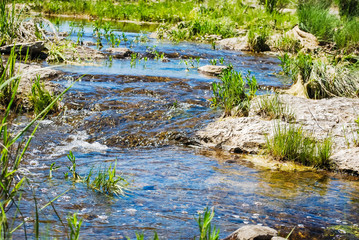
[[212, 69], [253, 232]]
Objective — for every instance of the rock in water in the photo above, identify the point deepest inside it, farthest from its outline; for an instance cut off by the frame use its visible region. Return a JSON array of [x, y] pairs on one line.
[[34, 48], [119, 52], [253, 232], [212, 69]]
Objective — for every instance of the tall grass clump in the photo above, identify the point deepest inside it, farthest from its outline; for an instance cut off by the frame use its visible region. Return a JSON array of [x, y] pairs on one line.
[[347, 36], [274, 5], [40, 97], [314, 17], [9, 86], [9, 22], [234, 92], [270, 106], [348, 8], [290, 143]]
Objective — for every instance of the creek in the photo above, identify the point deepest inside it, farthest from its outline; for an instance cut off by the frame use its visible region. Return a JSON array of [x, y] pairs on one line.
[[143, 116]]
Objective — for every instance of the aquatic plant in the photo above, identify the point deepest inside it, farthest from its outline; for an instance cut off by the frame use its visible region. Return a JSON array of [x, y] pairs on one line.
[[40, 97], [106, 181], [204, 221], [74, 225], [234, 92], [290, 143], [271, 107]]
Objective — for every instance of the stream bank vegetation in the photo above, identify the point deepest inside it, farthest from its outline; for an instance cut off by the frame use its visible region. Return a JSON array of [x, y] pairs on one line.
[[291, 143]]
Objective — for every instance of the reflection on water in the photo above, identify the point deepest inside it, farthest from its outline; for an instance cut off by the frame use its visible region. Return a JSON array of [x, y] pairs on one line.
[[144, 119]]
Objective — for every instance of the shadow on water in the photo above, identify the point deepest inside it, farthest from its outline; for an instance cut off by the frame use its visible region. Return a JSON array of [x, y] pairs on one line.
[[144, 118]]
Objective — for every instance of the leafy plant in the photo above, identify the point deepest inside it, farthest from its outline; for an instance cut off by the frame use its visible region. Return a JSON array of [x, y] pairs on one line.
[[207, 232], [74, 225], [234, 92]]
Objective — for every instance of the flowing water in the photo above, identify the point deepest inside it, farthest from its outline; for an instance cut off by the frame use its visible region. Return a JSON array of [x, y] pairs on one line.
[[143, 118]]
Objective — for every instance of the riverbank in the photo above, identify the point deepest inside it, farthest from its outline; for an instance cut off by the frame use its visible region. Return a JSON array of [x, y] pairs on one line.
[[334, 118]]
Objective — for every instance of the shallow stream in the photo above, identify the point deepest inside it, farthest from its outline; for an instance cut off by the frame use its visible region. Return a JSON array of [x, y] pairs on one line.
[[143, 117]]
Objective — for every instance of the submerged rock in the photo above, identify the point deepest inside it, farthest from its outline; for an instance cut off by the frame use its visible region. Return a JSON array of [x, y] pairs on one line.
[[212, 69], [119, 52], [253, 232]]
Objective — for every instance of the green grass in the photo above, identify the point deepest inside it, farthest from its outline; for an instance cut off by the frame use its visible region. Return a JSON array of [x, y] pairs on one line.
[[106, 181], [290, 143], [317, 20], [347, 37], [269, 106], [257, 38], [234, 92], [12, 152], [40, 97]]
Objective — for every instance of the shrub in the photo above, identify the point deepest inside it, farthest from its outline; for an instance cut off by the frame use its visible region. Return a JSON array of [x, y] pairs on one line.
[[233, 95], [316, 19], [292, 144]]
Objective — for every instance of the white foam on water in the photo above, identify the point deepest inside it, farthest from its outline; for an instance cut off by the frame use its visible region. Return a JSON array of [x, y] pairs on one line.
[[79, 142]]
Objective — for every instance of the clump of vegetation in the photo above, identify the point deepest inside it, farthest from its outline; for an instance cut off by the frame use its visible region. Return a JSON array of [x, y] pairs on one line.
[[9, 81], [207, 232], [74, 225], [348, 8], [12, 153], [234, 92], [269, 106], [314, 17], [40, 97], [287, 43], [257, 38], [321, 77], [290, 143], [106, 181], [347, 36]]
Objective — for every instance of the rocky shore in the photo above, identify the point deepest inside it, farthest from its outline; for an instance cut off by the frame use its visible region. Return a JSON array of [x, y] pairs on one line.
[[334, 118]]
